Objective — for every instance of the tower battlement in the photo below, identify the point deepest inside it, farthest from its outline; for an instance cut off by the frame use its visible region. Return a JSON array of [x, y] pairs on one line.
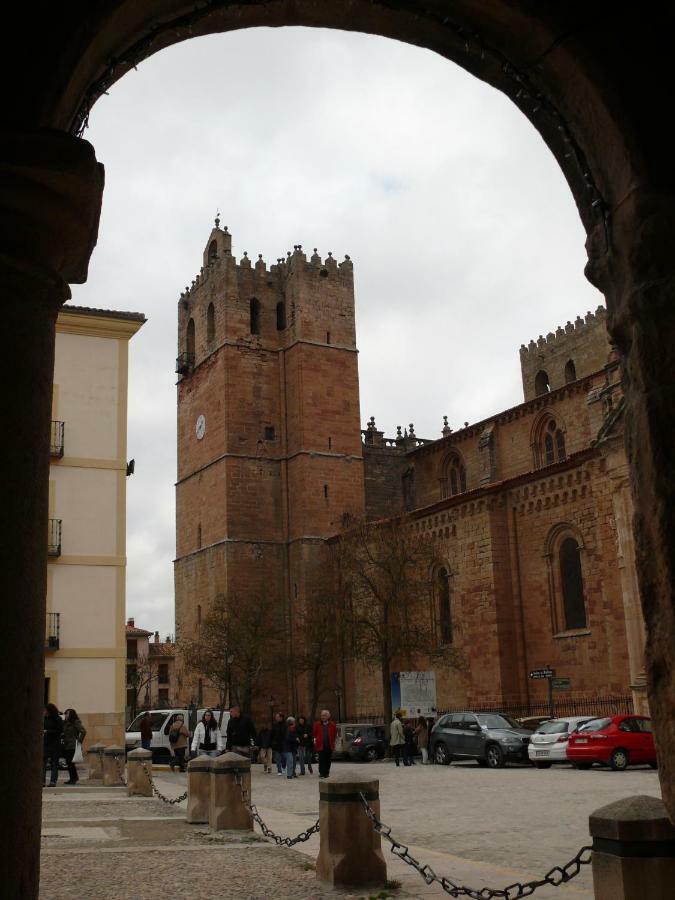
[[571, 352]]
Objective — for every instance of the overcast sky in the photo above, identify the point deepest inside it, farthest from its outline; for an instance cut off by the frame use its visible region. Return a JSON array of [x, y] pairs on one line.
[[464, 235]]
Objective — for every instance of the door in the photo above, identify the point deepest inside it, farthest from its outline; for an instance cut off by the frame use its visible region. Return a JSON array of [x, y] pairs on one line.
[[473, 739], [632, 739]]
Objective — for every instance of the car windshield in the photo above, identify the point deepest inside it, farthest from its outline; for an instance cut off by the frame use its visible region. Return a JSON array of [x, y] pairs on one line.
[[559, 727], [498, 722], [156, 721], [596, 725]]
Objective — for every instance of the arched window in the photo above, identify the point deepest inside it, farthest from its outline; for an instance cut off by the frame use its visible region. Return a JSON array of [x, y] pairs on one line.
[[444, 611], [551, 444], [454, 477], [190, 339], [572, 585], [281, 315], [255, 315], [541, 383], [570, 371], [210, 324], [213, 251]]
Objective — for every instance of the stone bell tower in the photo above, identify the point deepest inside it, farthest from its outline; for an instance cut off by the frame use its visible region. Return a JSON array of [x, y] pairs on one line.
[[269, 446]]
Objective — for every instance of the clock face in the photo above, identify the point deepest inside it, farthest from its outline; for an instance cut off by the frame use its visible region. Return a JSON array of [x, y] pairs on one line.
[[200, 427]]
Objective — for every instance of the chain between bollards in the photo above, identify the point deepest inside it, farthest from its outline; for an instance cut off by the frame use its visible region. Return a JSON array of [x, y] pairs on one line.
[[279, 841], [555, 877], [158, 793]]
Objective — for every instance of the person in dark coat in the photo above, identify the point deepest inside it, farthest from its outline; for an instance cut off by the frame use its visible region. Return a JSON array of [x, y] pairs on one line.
[[277, 744], [146, 731], [291, 741], [51, 739], [265, 748], [73, 732], [409, 745], [305, 745], [240, 733]]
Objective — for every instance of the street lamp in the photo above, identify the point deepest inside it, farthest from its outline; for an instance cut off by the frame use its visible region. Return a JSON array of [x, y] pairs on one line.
[[338, 695]]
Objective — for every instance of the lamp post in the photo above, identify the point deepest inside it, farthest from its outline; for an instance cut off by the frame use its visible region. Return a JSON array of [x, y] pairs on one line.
[[271, 702], [338, 695]]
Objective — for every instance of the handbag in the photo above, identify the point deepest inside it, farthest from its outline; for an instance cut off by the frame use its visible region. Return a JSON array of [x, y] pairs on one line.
[[77, 756], [174, 735]]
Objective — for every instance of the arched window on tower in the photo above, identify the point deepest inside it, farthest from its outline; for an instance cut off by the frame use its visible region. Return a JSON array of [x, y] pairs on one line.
[[572, 585], [255, 316], [210, 324], [281, 315], [444, 610], [213, 252], [570, 371], [453, 480], [190, 341], [541, 383]]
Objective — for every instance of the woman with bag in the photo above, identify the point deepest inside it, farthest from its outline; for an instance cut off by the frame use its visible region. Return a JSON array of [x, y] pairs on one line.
[[178, 741], [422, 736], [74, 733], [52, 729], [208, 738]]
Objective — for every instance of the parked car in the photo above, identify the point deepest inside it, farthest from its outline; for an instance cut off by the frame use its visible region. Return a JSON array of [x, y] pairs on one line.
[[533, 722], [490, 738], [616, 741], [360, 741], [548, 744]]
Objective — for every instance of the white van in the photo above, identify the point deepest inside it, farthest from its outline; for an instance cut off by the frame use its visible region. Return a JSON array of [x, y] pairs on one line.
[[161, 721]]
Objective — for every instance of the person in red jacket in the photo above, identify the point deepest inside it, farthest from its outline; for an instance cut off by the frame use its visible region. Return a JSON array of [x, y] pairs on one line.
[[323, 734]]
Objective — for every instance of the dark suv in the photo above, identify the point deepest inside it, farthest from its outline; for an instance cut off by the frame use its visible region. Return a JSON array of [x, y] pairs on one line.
[[366, 742], [491, 738]]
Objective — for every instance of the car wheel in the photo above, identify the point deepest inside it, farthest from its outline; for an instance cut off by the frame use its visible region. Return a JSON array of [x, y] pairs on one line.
[[441, 755], [579, 765], [482, 763], [542, 765], [370, 755], [494, 757], [619, 759]]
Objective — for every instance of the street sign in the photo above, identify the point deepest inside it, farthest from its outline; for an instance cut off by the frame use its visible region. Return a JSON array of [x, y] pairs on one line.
[[562, 684], [542, 673]]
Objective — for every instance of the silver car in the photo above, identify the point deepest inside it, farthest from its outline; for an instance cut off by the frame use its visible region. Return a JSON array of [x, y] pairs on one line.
[[548, 744]]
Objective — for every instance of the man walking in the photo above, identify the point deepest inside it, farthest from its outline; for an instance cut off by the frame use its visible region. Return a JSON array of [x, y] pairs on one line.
[[396, 736], [323, 733], [240, 733], [146, 731], [277, 741]]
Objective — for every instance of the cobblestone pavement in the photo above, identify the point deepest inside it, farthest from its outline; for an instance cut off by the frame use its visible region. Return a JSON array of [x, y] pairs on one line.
[[478, 826]]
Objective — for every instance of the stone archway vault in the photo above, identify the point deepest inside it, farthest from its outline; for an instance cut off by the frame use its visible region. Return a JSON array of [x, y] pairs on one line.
[[594, 79]]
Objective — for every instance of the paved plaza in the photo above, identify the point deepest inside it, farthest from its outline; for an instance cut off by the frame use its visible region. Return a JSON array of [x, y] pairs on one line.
[[477, 826]]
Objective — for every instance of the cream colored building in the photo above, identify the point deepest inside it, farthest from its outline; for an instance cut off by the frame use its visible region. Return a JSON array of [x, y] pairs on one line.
[[85, 646]]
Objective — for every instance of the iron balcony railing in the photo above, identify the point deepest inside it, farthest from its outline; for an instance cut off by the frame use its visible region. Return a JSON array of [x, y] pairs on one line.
[[54, 538], [185, 363], [56, 448], [53, 631]]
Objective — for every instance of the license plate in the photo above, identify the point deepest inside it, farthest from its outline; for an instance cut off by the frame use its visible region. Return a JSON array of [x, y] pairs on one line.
[[541, 753], [582, 740]]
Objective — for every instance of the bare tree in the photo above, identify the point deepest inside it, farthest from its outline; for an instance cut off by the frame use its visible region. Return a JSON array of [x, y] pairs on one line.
[[317, 650], [241, 640], [385, 570], [142, 671]]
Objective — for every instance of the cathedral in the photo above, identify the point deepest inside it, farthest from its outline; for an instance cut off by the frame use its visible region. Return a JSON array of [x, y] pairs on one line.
[[529, 511]]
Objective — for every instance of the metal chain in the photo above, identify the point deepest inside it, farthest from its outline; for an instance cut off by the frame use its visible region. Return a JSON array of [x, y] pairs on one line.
[[555, 877], [158, 793], [120, 770], [279, 841]]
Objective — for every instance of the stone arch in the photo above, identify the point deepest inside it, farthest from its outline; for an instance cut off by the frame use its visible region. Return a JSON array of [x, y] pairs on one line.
[[542, 383], [190, 340], [453, 474], [564, 552], [547, 439], [212, 252], [443, 613], [570, 371], [210, 324]]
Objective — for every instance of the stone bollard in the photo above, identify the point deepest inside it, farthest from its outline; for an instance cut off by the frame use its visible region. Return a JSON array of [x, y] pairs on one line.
[[113, 766], [226, 809], [139, 772], [633, 850], [95, 761], [350, 852], [199, 790]]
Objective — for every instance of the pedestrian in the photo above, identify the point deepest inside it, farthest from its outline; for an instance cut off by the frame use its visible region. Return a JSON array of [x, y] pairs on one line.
[[422, 737], [291, 741], [265, 748], [51, 741], [73, 732], [409, 745], [277, 743], [323, 734], [207, 737], [146, 731], [240, 733], [396, 735], [178, 742], [305, 745]]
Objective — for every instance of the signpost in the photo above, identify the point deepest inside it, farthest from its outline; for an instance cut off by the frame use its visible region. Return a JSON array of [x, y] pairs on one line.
[[414, 693], [562, 684], [549, 674]]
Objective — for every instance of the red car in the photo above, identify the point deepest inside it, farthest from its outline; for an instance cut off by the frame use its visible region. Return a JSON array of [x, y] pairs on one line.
[[616, 741]]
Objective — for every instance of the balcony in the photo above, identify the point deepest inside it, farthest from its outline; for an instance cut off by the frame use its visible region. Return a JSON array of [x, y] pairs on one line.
[[53, 629], [185, 363], [54, 538], [56, 447]]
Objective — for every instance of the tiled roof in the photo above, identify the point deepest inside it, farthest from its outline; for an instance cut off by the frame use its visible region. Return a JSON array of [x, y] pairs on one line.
[[110, 313], [133, 631]]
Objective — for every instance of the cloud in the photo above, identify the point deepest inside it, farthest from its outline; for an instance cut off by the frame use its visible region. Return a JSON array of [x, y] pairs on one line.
[[465, 238]]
